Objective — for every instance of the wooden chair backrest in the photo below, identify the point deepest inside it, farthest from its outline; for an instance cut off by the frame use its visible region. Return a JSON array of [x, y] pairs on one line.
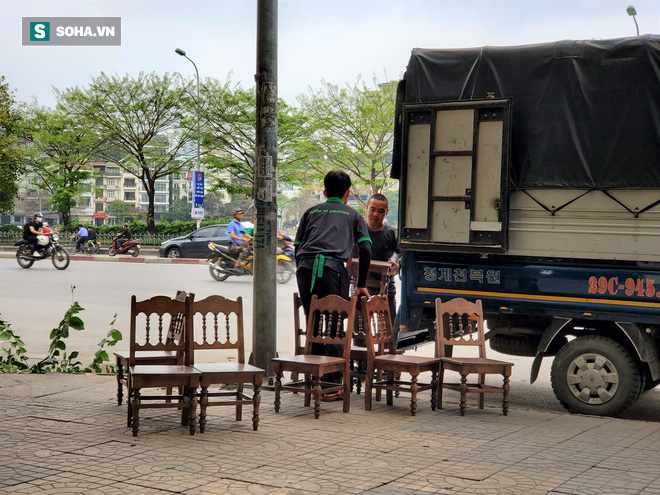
[[213, 327], [330, 321], [375, 319], [459, 323], [154, 317], [300, 332]]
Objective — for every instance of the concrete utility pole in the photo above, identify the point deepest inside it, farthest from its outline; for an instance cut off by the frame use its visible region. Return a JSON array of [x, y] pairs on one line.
[[264, 319]]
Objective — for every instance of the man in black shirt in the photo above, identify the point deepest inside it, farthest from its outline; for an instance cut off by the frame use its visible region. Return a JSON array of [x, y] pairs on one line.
[[383, 245], [32, 229], [324, 240]]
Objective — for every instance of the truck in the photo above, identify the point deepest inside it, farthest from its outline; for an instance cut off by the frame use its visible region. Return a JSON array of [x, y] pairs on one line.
[[529, 178]]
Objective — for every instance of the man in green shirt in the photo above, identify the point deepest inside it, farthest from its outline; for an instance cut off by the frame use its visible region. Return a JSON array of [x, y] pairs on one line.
[[326, 235]]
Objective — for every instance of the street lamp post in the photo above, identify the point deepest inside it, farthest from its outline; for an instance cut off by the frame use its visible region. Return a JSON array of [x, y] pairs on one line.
[[181, 52], [632, 13]]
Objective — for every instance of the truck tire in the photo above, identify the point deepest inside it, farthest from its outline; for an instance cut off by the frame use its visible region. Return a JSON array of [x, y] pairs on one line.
[[596, 375], [514, 345]]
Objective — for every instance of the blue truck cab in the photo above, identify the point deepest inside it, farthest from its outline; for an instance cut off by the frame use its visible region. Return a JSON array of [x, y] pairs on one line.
[[530, 179]]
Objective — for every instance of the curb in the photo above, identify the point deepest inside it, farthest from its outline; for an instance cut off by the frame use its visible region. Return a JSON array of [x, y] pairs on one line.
[[124, 259]]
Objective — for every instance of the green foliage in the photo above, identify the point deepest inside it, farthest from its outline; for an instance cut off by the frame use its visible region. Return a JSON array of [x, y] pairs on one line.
[[12, 229], [147, 123], [13, 357], [57, 358], [178, 210], [61, 148], [11, 160], [228, 118], [352, 129], [101, 356]]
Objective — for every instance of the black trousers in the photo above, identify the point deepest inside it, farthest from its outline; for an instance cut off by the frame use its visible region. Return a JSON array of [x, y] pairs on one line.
[[335, 281]]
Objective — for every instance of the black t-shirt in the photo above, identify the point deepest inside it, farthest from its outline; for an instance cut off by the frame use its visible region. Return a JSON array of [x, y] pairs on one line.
[[383, 243], [383, 246], [91, 234], [26, 229], [126, 234], [330, 229]]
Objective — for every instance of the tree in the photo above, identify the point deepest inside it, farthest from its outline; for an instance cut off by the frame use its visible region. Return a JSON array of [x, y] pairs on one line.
[[60, 156], [178, 210], [228, 115], [147, 119], [352, 129], [11, 164], [123, 211]]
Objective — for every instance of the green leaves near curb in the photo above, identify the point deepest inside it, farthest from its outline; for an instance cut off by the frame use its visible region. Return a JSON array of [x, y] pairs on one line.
[[14, 355]]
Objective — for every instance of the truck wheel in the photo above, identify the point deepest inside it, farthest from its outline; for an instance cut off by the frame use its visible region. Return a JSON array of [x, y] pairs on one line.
[[514, 345], [595, 375]]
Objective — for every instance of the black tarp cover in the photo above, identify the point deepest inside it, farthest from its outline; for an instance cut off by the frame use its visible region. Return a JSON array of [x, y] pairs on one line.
[[585, 114]]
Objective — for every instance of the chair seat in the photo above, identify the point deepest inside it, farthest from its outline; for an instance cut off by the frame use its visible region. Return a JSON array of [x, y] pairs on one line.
[[162, 370], [311, 359], [227, 368], [405, 358], [475, 362]]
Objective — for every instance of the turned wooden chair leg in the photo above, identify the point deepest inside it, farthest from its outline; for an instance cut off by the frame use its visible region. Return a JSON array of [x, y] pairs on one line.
[[482, 383], [278, 386], [192, 409], [120, 377], [256, 401], [317, 397], [463, 394], [136, 411], [203, 403], [505, 400], [434, 390], [413, 395], [239, 407]]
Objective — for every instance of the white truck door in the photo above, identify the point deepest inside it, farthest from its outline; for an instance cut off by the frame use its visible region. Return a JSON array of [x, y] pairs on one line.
[[456, 175]]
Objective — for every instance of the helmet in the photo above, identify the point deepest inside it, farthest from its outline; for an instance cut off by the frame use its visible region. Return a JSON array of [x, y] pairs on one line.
[[237, 211], [38, 215]]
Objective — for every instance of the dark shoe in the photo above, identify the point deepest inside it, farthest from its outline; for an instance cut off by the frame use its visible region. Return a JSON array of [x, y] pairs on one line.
[[333, 397]]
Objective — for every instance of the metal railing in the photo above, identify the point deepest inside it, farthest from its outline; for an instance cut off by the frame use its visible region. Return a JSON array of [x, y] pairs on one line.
[[9, 238]]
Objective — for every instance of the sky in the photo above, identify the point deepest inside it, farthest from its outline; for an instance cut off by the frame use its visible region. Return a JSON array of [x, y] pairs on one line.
[[333, 40]]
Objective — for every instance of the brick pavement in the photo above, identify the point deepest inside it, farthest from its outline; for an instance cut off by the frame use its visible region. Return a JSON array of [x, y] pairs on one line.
[[65, 434]]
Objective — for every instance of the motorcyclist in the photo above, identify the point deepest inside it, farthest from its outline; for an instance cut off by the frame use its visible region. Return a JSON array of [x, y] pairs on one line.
[[238, 238], [82, 237], [123, 236], [91, 234], [32, 229]]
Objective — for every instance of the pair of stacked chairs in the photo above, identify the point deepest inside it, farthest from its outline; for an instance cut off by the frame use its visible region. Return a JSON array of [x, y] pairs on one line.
[[166, 335]]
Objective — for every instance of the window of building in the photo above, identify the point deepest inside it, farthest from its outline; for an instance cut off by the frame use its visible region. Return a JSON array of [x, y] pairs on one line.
[[111, 194], [144, 198], [129, 182], [98, 207], [129, 196], [111, 170], [160, 198], [160, 187], [160, 208], [111, 182]]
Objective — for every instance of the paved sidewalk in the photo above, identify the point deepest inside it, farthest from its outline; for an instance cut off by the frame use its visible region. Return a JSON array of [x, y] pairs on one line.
[[65, 434]]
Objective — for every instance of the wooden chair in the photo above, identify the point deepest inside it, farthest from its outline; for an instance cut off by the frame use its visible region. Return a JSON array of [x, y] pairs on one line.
[[459, 324], [358, 349], [330, 322], [151, 314], [214, 330], [382, 357], [174, 334]]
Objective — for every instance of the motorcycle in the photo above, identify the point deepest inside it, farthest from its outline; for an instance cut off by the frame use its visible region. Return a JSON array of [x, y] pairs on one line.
[[131, 247], [287, 245], [222, 262], [57, 253]]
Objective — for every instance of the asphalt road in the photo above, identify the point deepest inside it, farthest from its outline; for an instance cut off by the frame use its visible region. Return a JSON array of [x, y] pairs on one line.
[[33, 301]]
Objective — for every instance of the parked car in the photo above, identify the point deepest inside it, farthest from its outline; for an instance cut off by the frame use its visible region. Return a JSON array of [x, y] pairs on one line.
[[195, 244]]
